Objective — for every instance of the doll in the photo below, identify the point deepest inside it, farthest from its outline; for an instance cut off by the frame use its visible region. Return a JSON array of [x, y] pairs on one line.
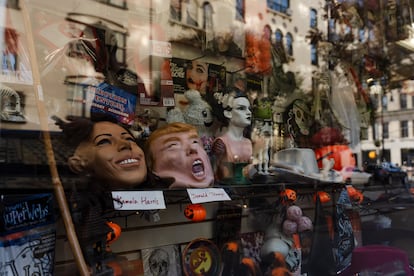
[[232, 146]]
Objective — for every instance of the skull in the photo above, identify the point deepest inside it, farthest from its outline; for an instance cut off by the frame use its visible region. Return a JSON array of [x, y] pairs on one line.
[[301, 112], [159, 262]]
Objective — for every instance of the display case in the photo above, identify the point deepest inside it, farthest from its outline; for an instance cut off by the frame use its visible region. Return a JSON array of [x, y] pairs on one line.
[[280, 106]]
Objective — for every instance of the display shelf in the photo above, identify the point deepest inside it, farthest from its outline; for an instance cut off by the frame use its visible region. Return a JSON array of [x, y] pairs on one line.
[[23, 164]]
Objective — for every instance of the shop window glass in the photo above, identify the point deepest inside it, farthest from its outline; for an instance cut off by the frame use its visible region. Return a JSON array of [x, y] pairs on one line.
[[135, 56]]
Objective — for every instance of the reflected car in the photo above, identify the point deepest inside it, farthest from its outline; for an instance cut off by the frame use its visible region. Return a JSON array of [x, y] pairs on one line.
[[387, 173], [355, 176]]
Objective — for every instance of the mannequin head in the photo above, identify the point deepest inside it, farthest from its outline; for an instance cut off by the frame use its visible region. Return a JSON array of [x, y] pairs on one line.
[[175, 150], [105, 151], [235, 107]]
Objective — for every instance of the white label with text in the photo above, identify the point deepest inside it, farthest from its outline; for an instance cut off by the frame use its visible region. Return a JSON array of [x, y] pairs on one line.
[[207, 195], [138, 200]]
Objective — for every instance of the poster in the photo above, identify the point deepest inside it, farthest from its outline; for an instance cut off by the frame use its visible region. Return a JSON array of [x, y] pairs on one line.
[[178, 73], [15, 65], [162, 261], [198, 75], [155, 86], [157, 89], [27, 242], [86, 98]]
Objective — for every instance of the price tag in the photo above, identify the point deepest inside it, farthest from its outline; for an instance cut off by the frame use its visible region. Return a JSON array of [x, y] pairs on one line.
[[207, 195], [138, 200]]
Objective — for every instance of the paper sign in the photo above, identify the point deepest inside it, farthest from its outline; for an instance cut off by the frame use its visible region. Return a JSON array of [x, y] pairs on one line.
[[207, 195], [161, 48], [138, 200]]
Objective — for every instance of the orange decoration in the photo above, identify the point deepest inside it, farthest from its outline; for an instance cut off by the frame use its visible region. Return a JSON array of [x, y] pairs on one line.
[[354, 194], [248, 262], [116, 268], [115, 232], [288, 196], [296, 240], [351, 191], [279, 259], [258, 53], [324, 197], [195, 212], [281, 271], [251, 265], [232, 246], [342, 155], [359, 197]]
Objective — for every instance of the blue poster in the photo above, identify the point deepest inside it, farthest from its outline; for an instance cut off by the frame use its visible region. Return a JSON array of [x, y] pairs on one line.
[[28, 235], [114, 101]]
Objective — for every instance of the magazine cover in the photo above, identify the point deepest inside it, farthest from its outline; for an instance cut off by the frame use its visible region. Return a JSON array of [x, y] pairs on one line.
[[206, 78], [157, 88], [162, 261], [196, 74], [27, 242]]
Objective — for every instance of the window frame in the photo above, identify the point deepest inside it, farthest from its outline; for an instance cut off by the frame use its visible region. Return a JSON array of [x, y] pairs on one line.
[[282, 6], [404, 129]]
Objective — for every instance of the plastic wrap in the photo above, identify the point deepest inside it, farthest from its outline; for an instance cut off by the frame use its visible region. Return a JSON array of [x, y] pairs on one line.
[[344, 107]]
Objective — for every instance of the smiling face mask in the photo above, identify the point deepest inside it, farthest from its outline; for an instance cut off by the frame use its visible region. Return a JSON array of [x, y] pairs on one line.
[[111, 156]]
